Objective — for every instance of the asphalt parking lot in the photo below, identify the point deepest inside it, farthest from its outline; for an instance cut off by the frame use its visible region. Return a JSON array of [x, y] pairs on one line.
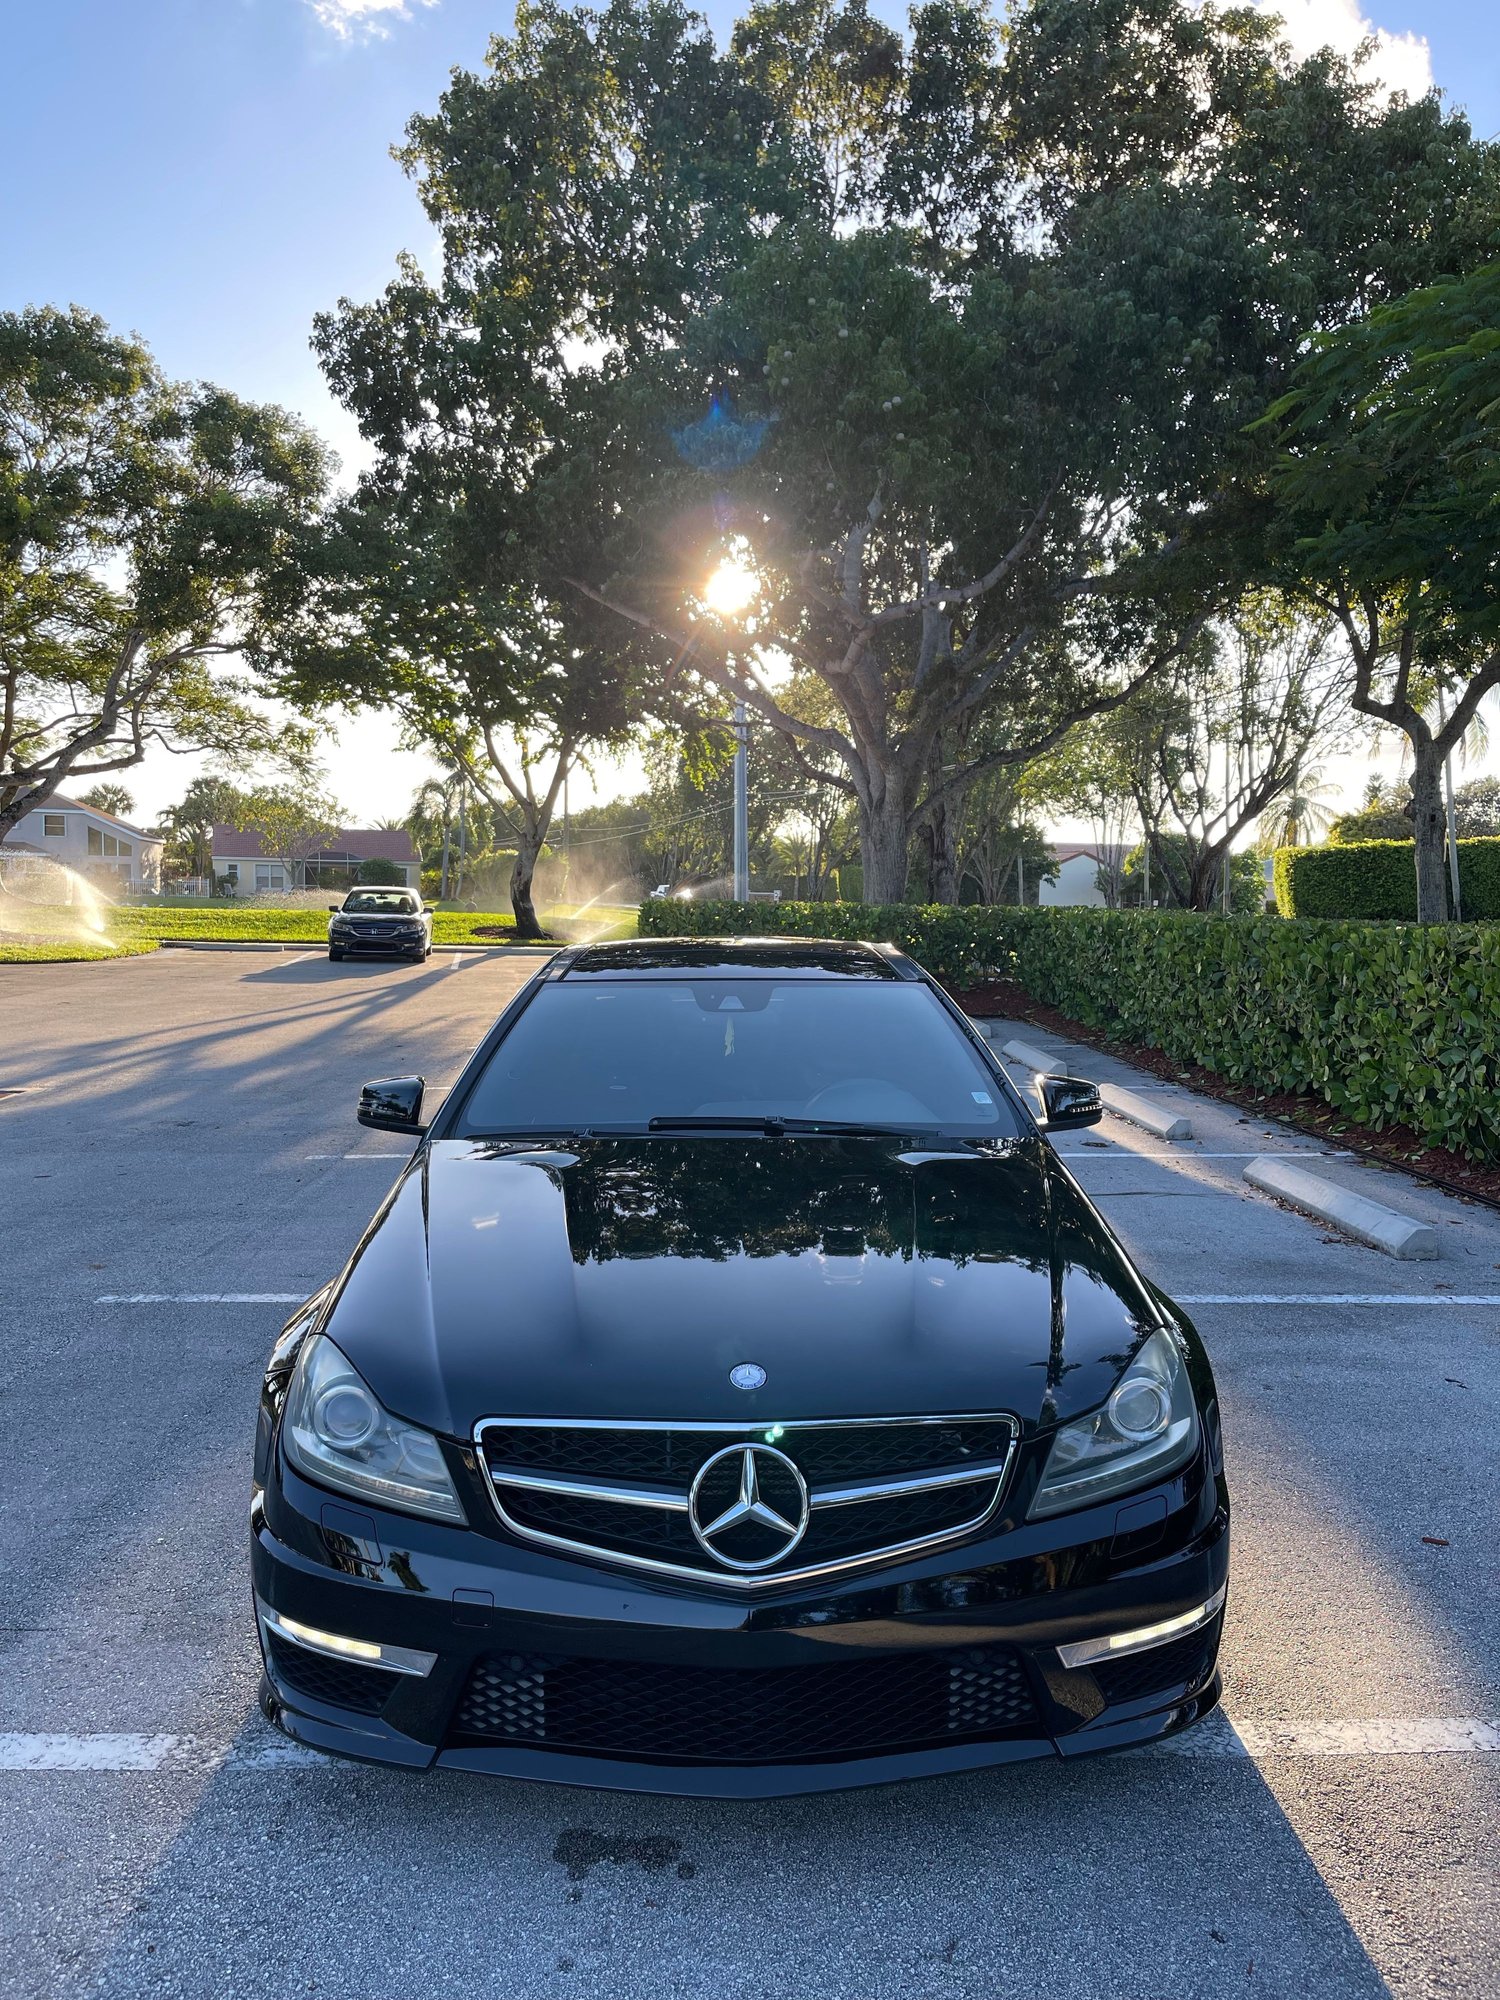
[[180, 1155]]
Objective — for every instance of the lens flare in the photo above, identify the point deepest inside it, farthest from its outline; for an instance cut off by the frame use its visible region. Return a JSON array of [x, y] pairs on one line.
[[732, 588]]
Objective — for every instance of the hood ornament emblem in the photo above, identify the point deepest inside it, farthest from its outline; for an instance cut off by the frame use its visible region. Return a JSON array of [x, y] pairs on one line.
[[748, 1506], [748, 1375]]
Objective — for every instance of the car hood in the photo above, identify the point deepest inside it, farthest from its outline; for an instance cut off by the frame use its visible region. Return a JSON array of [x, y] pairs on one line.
[[626, 1277]]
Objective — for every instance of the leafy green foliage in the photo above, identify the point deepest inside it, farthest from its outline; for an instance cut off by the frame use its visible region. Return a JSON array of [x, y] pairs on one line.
[[1375, 879], [147, 531], [1387, 1023]]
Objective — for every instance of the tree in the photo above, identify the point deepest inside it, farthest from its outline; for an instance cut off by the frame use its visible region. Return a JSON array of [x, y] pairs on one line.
[[1389, 487], [146, 532], [1210, 750], [293, 824], [208, 802], [958, 341], [1476, 808], [110, 799]]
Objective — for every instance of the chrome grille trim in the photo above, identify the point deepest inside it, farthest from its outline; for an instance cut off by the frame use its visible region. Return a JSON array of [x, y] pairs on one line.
[[990, 1473]]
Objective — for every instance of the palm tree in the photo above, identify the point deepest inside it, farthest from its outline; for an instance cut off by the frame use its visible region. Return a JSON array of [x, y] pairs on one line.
[[1299, 817]]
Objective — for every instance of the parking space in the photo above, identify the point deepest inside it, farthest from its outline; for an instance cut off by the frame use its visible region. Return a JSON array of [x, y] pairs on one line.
[[181, 1155]]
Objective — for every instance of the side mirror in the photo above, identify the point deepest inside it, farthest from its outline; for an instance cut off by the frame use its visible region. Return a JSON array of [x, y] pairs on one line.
[[1068, 1102], [335, 907], [427, 909], [393, 1105]]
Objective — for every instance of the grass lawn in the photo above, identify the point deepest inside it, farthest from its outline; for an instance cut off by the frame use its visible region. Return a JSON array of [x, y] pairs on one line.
[[53, 934], [65, 951]]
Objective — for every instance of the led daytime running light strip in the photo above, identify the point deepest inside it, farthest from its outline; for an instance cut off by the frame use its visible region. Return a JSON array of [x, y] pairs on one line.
[[334, 1646], [1090, 1652]]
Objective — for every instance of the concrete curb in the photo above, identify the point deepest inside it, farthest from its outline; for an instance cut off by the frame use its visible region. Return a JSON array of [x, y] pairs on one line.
[[1125, 1104], [1034, 1059], [1367, 1221]]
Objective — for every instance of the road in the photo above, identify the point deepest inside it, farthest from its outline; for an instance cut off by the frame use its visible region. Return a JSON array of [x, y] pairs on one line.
[[185, 1135]]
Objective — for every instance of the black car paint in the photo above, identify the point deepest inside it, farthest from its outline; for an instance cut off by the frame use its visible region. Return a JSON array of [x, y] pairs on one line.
[[587, 1277]]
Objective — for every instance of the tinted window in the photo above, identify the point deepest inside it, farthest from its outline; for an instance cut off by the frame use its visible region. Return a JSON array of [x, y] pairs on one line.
[[622, 1052], [382, 902]]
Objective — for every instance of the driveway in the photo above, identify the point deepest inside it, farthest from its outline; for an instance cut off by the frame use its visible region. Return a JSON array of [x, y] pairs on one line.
[[180, 1158]]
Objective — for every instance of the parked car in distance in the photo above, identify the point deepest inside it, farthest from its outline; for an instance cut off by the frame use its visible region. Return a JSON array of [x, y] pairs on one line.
[[393, 923], [736, 1395]]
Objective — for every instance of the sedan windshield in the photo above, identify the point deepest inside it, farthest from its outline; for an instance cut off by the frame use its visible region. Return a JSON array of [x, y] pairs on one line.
[[381, 903], [625, 1054]]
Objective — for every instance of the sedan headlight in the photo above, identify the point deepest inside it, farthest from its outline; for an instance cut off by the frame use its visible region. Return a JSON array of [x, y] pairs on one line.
[[1148, 1428], [335, 1431]]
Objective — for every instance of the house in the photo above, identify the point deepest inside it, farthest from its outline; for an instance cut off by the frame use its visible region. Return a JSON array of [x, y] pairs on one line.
[[1077, 877], [241, 856], [105, 850]]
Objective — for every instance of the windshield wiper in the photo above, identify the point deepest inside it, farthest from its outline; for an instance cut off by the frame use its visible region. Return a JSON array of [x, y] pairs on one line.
[[776, 1127]]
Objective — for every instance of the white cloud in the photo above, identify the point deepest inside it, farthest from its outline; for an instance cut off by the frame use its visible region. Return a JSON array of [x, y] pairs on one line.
[[350, 18], [1401, 62]]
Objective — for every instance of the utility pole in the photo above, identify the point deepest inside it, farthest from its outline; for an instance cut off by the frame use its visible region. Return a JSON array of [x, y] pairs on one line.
[[741, 805]]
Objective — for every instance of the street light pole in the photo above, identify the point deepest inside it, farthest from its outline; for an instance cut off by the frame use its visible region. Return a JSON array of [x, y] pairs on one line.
[[741, 805]]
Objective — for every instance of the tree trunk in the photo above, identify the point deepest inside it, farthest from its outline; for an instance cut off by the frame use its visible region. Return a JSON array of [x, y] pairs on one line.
[[1430, 826], [529, 844], [882, 851]]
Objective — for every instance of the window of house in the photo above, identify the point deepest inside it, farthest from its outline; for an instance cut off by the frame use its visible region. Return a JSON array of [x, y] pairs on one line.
[[54, 824], [267, 877], [96, 841], [111, 845], [125, 849]]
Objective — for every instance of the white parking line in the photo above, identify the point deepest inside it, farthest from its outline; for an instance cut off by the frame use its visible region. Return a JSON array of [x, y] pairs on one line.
[[1244, 1738], [1187, 1151], [200, 1298], [356, 1156]]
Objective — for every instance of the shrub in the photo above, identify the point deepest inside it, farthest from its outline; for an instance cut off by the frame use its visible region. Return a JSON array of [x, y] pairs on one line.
[[377, 872], [1387, 1023], [1374, 879]]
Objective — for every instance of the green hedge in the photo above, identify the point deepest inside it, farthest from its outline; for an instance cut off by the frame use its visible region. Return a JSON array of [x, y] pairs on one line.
[[1377, 879], [1387, 1023]]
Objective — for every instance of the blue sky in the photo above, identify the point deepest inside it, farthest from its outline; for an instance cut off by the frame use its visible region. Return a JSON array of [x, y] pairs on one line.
[[211, 173]]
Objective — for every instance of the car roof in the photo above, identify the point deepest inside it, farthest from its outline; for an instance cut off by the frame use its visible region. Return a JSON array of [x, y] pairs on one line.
[[734, 958]]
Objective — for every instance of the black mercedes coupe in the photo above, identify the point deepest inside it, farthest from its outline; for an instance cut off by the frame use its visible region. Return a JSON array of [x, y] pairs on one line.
[[736, 1395]]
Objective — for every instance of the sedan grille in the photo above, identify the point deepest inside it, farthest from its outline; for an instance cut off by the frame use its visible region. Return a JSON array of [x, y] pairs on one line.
[[748, 1715], [813, 1497]]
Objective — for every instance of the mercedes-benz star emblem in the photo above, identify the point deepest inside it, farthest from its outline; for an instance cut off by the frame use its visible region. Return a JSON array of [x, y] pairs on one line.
[[748, 1506], [748, 1375]]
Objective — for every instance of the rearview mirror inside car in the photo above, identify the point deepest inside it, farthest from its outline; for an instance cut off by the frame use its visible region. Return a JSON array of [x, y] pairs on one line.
[[394, 1104], [1068, 1102]]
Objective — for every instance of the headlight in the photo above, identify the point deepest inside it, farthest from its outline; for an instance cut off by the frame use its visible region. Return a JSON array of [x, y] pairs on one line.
[[1148, 1428], [335, 1431]]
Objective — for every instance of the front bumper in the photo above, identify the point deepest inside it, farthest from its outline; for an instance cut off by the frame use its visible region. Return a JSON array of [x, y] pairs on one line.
[[390, 945], [565, 1670]]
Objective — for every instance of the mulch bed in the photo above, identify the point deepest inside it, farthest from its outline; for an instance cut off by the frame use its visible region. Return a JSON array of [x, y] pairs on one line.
[[1396, 1145]]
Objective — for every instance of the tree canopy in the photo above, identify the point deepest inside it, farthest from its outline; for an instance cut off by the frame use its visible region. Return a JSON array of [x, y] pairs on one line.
[[147, 532], [952, 337]]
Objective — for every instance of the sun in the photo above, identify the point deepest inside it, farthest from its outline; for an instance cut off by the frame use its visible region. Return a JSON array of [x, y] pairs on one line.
[[732, 588]]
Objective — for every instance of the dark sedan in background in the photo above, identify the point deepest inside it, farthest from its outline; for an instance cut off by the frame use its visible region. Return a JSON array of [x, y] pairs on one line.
[[736, 1395], [386, 923]]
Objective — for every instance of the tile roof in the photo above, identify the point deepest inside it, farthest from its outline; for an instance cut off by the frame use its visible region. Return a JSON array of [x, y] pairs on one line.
[[363, 843]]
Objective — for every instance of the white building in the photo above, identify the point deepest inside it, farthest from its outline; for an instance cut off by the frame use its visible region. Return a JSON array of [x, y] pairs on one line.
[[1077, 878], [107, 851]]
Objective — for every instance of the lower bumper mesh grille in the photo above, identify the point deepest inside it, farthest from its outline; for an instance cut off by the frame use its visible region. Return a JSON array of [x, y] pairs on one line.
[[341, 1684], [1186, 1663], [747, 1715]]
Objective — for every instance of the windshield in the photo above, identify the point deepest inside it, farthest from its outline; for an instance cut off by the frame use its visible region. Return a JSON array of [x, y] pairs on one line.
[[618, 1054], [382, 902]]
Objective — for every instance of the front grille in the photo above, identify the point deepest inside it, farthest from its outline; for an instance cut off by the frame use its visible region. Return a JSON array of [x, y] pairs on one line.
[[747, 1715], [1186, 1663], [874, 1491], [340, 1683]]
